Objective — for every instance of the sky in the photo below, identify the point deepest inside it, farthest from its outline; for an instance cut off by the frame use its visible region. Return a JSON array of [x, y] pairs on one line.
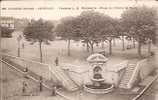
[[54, 10]]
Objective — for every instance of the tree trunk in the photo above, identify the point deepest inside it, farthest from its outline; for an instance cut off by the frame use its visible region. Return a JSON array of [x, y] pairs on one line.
[[139, 48], [102, 44], [123, 43], [40, 47], [110, 47], [114, 42], [134, 45], [149, 46], [18, 48], [92, 48], [87, 46], [68, 47]]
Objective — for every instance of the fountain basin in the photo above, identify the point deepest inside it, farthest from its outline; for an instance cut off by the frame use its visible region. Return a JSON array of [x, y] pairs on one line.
[[102, 89]]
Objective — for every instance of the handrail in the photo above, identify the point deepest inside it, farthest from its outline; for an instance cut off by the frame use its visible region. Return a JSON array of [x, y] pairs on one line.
[[145, 89], [24, 59], [12, 66], [36, 80], [61, 77], [135, 71], [23, 73]]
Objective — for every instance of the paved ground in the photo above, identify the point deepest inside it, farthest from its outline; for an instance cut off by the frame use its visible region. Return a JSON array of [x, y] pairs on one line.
[[59, 49], [11, 82], [82, 95], [78, 58], [12, 89]]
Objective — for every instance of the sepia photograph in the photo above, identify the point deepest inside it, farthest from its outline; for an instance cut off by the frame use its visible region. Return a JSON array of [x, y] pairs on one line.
[[79, 50]]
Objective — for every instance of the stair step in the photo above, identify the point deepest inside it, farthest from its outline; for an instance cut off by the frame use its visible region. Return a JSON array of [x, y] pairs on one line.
[[67, 82], [125, 80], [131, 65], [130, 68], [128, 71], [123, 85], [127, 76]]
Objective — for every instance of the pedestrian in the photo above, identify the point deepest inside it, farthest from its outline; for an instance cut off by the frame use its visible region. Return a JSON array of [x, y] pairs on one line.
[[41, 81], [54, 90], [24, 87], [25, 72], [56, 61]]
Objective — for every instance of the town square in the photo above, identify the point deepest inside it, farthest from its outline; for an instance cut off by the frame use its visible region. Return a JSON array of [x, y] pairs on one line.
[[77, 50]]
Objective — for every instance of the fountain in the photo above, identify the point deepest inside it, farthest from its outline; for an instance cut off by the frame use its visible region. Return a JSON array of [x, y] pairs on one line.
[[97, 84]]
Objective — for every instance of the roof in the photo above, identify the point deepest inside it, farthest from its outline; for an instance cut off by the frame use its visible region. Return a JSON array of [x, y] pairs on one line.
[[6, 18], [97, 58]]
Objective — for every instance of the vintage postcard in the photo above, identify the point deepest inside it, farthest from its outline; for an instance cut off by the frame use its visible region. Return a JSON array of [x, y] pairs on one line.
[[79, 50]]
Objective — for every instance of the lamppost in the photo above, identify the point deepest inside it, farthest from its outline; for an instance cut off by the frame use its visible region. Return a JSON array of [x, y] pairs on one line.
[[19, 39], [80, 92]]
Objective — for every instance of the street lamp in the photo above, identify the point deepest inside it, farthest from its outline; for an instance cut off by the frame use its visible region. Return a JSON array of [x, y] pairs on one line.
[[19, 39], [81, 90]]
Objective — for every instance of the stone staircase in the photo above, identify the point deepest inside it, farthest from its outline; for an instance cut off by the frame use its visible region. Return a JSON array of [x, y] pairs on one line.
[[127, 76], [66, 81]]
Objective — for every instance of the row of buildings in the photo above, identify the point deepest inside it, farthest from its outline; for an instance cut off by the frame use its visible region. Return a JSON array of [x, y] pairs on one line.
[[13, 23], [7, 22]]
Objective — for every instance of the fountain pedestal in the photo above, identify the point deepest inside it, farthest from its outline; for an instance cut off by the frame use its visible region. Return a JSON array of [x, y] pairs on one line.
[[97, 82], [97, 85]]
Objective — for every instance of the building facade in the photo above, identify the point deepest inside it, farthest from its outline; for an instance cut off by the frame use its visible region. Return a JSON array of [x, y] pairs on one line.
[[7, 22]]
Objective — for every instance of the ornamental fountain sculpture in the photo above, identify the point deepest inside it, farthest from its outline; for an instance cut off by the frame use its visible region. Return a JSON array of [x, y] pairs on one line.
[[97, 82]]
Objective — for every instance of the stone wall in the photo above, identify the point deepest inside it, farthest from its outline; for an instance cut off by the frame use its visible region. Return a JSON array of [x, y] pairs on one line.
[[146, 68], [143, 69]]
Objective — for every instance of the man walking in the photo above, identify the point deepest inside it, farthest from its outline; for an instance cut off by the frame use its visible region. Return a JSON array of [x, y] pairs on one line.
[[56, 61]]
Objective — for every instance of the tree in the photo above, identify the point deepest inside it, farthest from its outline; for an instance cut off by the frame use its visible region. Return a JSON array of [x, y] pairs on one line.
[[68, 29], [39, 31], [20, 24], [108, 30], [90, 27], [120, 31], [6, 32], [140, 24]]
